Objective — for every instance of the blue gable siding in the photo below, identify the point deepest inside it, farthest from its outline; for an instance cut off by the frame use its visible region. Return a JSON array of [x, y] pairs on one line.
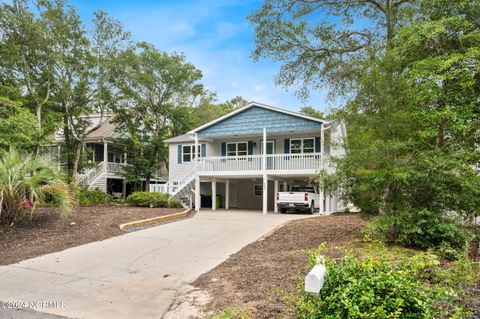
[[254, 119]]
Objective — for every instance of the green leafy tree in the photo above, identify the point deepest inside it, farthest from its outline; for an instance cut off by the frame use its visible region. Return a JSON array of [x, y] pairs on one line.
[[414, 122], [16, 125], [155, 90], [325, 42], [27, 60], [208, 111], [313, 112]]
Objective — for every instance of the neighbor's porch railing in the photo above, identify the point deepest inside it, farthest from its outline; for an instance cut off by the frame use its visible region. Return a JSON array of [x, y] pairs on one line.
[[115, 167], [275, 162]]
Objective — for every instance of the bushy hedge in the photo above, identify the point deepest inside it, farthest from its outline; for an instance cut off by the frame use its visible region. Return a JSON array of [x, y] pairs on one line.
[[379, 287], [146, 199], [88, 197], [421, 229]]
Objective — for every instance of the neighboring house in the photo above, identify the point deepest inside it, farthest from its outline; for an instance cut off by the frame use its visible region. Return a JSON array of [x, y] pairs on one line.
[[226, 158], [106, 162]]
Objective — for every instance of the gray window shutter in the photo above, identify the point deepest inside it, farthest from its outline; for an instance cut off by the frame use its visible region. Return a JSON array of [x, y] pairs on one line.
[[179, 154], [250, 148], [224, 148], [287, 146], [203, 150], [317, 144]]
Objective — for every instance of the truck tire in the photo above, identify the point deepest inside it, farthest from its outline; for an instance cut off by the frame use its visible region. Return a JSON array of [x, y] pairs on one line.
[[283, 210], [312, 208]]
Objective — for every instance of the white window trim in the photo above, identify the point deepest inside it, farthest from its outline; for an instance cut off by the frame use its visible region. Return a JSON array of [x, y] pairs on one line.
[[261, 190], [192, 153], [301, 144], [236, 148], [274, 146]]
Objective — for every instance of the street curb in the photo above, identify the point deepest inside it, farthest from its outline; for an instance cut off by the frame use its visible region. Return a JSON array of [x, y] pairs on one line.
[[155, 220]]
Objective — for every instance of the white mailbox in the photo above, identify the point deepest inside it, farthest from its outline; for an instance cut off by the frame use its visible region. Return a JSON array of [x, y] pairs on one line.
[[315, 279]]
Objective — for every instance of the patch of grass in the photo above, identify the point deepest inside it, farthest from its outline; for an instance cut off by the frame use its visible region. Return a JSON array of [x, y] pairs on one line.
[[232, 313]]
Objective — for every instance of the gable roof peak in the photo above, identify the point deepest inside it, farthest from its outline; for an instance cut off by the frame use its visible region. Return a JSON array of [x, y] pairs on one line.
[[261, 105]]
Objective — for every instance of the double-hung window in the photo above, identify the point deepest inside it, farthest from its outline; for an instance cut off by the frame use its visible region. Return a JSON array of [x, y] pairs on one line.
[[189, 152], [237, 149], [302, 145]]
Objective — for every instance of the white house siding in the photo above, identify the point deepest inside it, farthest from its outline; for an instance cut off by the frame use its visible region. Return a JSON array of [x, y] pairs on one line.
[[177, 171], [216, 146]]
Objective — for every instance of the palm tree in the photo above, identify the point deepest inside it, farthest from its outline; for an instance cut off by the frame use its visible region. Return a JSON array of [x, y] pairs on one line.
[[24, 177]]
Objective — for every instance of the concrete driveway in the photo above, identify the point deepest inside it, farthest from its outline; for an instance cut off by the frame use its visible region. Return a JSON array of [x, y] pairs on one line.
[[136, 275]]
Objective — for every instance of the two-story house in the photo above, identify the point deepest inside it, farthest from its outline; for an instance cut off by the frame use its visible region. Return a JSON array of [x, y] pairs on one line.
[[105, 161], [242, 159]]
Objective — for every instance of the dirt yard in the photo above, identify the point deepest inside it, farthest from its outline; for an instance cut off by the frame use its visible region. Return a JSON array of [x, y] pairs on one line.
[[45, 233], [253, 277]]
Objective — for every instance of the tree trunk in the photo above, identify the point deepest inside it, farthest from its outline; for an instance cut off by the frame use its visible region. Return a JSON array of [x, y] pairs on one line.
[[389, 17], [76, 160], [147, 183], [38, 116]]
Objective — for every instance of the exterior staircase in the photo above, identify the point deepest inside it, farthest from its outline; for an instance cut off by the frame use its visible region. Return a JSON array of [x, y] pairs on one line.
[[181, 190], [94, 178]]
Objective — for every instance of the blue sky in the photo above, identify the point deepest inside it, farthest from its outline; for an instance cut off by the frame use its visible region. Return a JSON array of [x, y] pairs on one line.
[[214, 35]]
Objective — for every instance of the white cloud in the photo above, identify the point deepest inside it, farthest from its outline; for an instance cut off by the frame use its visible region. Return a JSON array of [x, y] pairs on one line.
[[216, 37]]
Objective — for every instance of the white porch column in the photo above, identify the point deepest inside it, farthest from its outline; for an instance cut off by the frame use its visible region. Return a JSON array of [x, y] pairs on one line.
[[196, 150], [197, 178], [214, 194], [321, 195], [329, 198], [285, 187], [197, 193], [105, 155], [264, 168], [227, 194], [275, 191]]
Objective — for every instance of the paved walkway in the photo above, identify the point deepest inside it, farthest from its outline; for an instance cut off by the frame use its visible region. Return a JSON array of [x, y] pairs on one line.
[[136, 275]]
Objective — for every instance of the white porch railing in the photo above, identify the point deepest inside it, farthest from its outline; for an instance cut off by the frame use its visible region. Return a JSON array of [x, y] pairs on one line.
[[231, 163], [173, 188], [293, 162], [88, 176], [275, 162], [288, 163], [115, 167]]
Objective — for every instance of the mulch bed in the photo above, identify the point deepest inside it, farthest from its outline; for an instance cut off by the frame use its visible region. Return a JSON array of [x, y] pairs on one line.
[[255, 277], [45, 233]]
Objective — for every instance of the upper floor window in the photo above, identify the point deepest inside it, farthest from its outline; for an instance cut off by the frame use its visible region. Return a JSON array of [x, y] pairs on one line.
[[237, 149], [189, 152], [302, 145]]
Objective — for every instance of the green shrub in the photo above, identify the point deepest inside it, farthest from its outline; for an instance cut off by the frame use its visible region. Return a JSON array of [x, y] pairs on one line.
[[378, 287], [88, 197], [421, 229], [146, 199]]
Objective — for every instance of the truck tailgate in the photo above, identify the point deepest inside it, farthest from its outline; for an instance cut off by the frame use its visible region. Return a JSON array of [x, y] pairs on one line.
[[289, 197]]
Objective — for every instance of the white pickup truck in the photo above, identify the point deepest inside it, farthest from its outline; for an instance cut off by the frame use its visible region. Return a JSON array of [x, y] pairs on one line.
[[300, 198]]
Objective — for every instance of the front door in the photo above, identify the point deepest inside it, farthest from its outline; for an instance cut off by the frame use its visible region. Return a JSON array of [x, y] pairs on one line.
[[270, 150]]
